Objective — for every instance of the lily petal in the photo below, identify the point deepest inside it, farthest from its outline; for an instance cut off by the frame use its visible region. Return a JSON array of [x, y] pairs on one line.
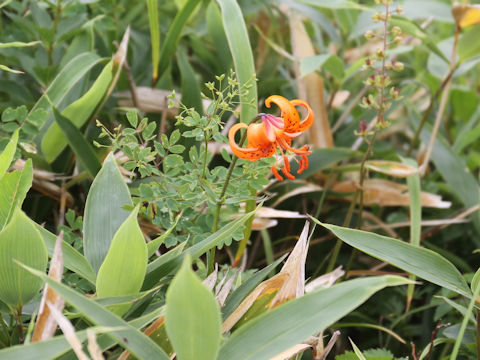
[[308, 121]]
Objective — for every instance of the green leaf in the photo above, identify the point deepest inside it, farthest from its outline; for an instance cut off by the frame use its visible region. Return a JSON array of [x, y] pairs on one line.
[[78, 113], [18, 44], [152, 8], [15, 186], [330, 62], [20, 241], [239, 43], [80, 146], [323, 158], [104, 212], [296, 320], [217, 32], [166, 264], [153, 245], [412, 28], [58, 345], [190, 88], [247, 287], [127, 335], [6, 68], [124, 267], [8, 153], [66, 79], [336, 4], [192, 317], [173, 35], [468, 44], [72, 259], [424, 263]]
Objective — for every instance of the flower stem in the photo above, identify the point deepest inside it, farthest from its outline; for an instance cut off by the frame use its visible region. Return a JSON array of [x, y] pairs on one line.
[[221, 199]]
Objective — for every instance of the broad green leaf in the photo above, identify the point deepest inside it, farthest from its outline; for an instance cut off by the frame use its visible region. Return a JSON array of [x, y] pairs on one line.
[[20, 241], [104, 211], [173, 35], [72, 259], [421, 262], [190, 87], [247, 287], [217, 32], [241, 50], [192, 317], [8, 153], [66, 79], [78, 113], [127, 335], [153, 245], [124, 267], [166, 264], [468, 44], [80, 146], [329, 62], [15, 186], [152, 8], [58, 345], [296, 320], [323, 158]]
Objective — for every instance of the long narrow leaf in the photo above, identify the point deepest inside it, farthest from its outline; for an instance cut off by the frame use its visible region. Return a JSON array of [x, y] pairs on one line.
[[80, 146], [424, 263], [152, 8], [294, 321], [173, 35], [132, 339], [241, 50]]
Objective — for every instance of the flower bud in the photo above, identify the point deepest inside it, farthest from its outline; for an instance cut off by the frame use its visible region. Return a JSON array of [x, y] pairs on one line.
[[369, 35], [380, 54], [398, 66], [396, 31], [399, 10]]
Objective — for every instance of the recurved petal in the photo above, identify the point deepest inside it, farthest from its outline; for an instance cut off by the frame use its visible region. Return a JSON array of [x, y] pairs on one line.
[[289, 113], [250, 153], [308, 121]]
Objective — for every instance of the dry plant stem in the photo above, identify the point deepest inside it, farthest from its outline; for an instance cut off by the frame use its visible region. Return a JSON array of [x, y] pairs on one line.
[[441, 109], [131, 84]]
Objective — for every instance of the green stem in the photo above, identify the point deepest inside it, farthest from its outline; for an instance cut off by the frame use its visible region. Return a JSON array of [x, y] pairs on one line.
[[204, 172], [58, 10], [211, 253], [466, 317], [18, 318], [5, 329]]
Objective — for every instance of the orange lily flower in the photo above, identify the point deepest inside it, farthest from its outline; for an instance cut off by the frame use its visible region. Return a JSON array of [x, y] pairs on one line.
[[275, 133]]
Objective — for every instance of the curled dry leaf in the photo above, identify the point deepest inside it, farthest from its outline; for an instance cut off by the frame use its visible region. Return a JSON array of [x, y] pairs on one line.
[[265, 215], [391, 168], [388, 193], [46, 324], [307, 188], [339, 98], [325, 281], [289, 283], [69, 332]]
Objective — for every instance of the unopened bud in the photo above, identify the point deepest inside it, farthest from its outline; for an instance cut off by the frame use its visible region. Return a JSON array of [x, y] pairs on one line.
[[394, 93], [398, 66], [380, 54], [362, 126], [396, 31], [399, 10], [369, 34]]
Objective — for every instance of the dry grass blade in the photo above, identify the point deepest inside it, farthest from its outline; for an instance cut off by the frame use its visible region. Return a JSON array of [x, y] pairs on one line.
[[69, 332], [325, 281], [329, 346], [293, 351], [46, 324], [268, 286], [223, 291], [93, 348], [294, 287], [311, 86], [388, 193], [211, 279]]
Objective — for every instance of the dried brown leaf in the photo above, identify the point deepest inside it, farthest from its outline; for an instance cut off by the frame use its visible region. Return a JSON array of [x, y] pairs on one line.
[[325, 281], [46, 325], [391, 168], [293, 351], [388, 193]]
